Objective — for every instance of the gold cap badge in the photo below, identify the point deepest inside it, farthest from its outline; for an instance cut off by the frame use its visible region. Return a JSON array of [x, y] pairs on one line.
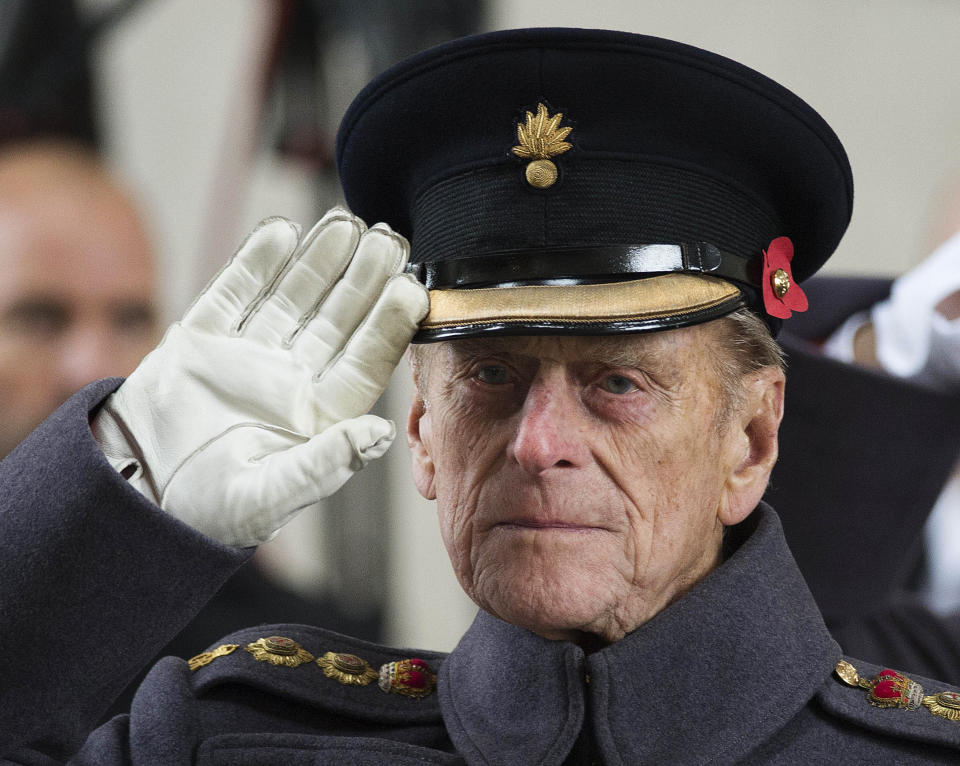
[[541, 138]]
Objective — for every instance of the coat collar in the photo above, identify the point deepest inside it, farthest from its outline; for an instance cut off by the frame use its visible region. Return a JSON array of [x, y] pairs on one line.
[[711, 676]]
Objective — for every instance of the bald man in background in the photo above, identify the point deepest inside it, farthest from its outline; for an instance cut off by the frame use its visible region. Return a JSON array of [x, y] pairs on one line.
[[77, 287], [76, 305]]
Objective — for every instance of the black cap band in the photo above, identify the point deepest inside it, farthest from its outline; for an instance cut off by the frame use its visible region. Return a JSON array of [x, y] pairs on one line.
[[585, 265]]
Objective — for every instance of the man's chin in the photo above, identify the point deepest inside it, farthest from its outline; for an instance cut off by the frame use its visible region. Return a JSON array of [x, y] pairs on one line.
[[556, 612], [560, 625]]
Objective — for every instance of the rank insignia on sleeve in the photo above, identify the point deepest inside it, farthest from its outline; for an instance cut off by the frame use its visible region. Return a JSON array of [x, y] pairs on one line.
[[539, 139], [205, 658], [411, 678], [278, 650], [347, 668]]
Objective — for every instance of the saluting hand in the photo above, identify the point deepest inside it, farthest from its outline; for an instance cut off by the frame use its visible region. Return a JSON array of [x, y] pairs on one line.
[[254, 406]]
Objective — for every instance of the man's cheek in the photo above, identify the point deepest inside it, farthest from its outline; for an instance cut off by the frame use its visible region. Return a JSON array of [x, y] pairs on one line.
[[26, 374]]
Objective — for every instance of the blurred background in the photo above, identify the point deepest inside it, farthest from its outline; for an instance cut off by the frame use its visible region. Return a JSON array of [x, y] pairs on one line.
[[222, 112]]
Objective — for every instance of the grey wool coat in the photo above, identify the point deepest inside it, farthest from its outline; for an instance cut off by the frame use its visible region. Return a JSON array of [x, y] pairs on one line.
[[740, 670]]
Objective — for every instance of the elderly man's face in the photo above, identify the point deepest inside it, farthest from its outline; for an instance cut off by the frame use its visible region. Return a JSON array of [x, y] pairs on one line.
[[582, 483]]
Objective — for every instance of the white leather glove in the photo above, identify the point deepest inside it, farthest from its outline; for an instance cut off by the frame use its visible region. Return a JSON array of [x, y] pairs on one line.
[[913, 340], [253, 406]]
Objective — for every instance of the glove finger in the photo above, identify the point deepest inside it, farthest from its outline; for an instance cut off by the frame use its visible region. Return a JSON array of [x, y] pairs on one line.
[[322, 465], [357, 377], [381, 253], [244, 486], [245, 279], [313, 271], [297, 478]]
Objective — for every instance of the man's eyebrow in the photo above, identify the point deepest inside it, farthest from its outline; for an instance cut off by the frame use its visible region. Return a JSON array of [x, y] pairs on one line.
[[40, 306], [471, 347], [608, 350], [614, 352]]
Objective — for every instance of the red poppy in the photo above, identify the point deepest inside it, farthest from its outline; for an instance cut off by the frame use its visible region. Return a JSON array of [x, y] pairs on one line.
[[781, 295]]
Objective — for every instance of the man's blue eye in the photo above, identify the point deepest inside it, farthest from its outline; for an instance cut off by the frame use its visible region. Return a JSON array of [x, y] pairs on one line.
[[617, 384], [493, 375]]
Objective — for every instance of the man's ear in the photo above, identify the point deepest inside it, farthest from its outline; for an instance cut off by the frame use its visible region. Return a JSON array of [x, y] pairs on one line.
[[754, 440], [419, 440]]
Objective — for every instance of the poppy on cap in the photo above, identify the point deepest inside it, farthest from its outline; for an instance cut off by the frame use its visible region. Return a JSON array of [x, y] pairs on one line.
[[569, 181]]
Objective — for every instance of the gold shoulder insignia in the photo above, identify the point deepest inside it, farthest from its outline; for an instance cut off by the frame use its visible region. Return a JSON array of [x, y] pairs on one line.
[[347, 669], [541, 138], [944, 704], [890, 689], [205, 658], [410, 678], [278, 650]]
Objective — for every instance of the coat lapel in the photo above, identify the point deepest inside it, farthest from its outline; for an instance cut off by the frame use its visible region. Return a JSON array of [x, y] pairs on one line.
[[712, 676]]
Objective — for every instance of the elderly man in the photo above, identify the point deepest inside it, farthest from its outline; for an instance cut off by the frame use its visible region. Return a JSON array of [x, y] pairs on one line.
[[602, 222]]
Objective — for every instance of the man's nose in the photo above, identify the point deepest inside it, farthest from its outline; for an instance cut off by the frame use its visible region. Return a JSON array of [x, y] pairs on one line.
[[87, 354], [550, 433]]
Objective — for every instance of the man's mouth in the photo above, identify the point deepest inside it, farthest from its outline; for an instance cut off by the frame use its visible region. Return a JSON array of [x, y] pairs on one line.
[[547, 524]]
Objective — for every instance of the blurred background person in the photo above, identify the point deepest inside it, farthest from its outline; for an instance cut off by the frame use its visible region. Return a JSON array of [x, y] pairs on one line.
[[77, 293], [912, 333], [79, 286], [874, 384]]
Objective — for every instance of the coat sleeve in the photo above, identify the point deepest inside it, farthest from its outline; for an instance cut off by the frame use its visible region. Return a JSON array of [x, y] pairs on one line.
[[95, 580]]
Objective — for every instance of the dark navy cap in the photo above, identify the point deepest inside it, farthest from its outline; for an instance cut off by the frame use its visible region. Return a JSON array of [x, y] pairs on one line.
[[570, 181]]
